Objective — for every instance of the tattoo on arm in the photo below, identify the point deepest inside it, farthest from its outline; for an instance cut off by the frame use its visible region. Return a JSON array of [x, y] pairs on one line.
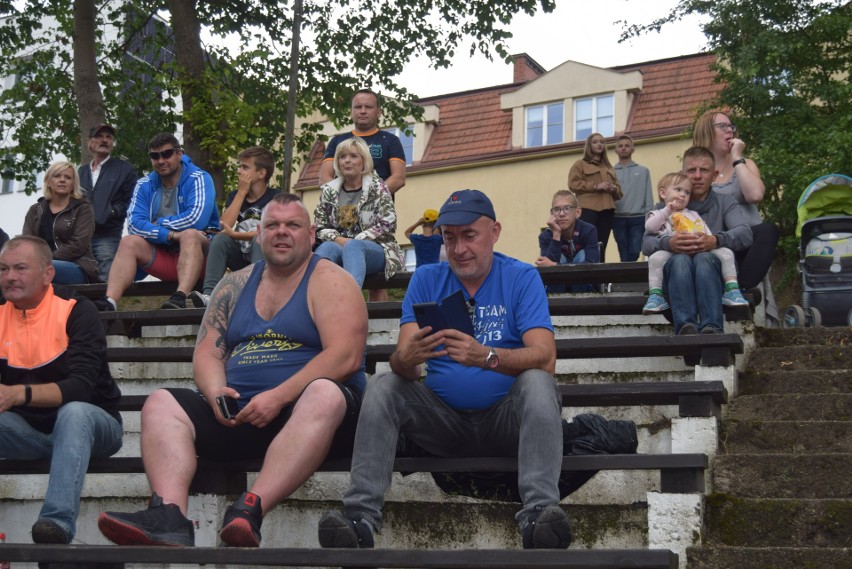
[[221, 308]]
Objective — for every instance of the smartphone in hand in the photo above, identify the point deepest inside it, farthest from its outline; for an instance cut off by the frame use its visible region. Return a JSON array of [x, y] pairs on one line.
[[228, 406]]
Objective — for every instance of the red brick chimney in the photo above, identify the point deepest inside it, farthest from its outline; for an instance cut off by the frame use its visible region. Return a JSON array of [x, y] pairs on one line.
[[526, 68]]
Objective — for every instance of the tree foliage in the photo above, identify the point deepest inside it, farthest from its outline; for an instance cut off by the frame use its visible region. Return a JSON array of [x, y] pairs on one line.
[[240, 97], [785, 66]]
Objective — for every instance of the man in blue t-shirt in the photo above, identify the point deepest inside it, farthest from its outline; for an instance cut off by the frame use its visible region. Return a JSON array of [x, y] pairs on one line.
[[491, 394]]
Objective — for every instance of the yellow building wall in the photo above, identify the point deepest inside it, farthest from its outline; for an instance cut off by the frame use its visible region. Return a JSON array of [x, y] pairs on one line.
[[520, 188]]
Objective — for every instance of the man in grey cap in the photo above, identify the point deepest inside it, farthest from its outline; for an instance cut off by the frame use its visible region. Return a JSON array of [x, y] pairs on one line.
[[490, 394], [108, 184]]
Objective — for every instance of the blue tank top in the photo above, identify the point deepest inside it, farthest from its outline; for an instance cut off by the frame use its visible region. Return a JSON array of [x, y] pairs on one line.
[[265, 353]]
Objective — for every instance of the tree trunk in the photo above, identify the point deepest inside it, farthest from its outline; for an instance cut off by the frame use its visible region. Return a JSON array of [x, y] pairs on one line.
[[90, 103], [190, 59]]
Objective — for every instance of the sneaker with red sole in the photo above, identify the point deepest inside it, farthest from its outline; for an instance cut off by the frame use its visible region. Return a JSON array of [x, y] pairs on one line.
[[241, 527], [160, 524]]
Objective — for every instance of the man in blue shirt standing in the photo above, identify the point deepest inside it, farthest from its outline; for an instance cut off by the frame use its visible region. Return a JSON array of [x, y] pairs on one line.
[[492, 394]]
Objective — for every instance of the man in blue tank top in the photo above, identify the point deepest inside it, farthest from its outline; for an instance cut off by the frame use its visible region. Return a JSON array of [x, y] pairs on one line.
[[283, 339], [491, 394]]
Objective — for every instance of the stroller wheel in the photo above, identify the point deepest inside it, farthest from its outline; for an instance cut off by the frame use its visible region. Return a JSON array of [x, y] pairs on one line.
[[813, 317], [794, 316]]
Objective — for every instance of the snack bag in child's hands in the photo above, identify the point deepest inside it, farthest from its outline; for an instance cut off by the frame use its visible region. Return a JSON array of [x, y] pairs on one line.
[[682, 224]]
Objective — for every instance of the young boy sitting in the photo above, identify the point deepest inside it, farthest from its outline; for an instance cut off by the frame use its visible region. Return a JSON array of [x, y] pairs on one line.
[[674, 189]]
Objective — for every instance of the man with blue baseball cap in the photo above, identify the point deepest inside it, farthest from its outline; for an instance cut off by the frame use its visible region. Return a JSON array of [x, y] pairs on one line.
[[491, 394]]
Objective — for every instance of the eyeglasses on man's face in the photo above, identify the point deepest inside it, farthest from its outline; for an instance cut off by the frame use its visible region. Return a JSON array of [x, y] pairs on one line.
[[166, 154], [564, 209], [723, 126]]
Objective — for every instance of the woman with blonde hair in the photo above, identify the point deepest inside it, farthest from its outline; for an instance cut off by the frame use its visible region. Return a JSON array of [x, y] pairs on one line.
[[593, 179], [67, 222], [739, 176], [355, 218]]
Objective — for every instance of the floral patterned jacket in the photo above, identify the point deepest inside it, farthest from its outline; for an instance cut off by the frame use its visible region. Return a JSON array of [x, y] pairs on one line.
[[374, 218]]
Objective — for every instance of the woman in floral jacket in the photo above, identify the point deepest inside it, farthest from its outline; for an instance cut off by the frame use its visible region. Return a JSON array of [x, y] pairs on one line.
[[355, 217]]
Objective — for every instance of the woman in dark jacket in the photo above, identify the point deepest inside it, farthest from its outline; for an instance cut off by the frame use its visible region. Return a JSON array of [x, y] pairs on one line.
[[66, 221]]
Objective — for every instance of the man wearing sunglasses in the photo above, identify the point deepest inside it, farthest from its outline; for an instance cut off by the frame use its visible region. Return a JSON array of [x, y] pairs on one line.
[[172, 209]]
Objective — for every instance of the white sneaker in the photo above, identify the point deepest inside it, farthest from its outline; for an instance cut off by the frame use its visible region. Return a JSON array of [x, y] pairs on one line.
[[199, 300]]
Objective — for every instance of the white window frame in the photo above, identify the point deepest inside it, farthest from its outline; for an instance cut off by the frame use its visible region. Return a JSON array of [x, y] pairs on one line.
[[597, 117], [407, 141], [546, 123]]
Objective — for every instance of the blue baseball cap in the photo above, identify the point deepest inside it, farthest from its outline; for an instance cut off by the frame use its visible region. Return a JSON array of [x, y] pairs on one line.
[[464, 207]]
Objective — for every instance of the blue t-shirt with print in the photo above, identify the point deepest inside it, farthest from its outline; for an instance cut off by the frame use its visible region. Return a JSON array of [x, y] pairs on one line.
[[509, 303]]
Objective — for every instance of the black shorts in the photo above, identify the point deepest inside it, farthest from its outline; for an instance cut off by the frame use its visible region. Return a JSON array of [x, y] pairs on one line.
[[215, 441]]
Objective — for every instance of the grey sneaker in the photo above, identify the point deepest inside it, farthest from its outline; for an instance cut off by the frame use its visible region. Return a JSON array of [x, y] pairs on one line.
[[548, 529], [198, 299], [160, 524], [336, 530], [687, 330]]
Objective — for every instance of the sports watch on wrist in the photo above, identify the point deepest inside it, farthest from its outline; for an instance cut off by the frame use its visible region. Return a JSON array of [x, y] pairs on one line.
[[491, 360], [736, 163]]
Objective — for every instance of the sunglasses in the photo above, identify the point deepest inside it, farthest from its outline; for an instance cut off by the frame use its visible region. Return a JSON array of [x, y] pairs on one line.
[[168, 153]]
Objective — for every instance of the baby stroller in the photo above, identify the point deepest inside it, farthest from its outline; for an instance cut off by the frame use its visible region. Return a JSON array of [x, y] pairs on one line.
[[825, 254]]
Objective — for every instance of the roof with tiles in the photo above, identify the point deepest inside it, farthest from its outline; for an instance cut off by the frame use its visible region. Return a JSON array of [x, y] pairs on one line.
[[473, 126], [672, 92]]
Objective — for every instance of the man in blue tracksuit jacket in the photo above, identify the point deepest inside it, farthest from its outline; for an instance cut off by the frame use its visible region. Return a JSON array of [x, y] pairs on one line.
[[172, 215]]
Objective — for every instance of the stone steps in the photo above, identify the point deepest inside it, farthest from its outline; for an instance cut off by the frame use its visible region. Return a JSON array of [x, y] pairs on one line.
[[737, 522], [793, 437], [782, 491], [792, 407], [793, 381], [783, 475], [769, 558]]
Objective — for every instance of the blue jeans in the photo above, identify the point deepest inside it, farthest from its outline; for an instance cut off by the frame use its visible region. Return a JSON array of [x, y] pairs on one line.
[[360, 257], [525, 424], [628, 232], [694, 285], [82, 430], [225, 253], [68, 272], [104, 249]]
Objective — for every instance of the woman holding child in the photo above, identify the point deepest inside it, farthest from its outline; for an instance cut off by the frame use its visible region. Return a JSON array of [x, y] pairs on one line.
[[67, 222], [593, 179], [355, 217]]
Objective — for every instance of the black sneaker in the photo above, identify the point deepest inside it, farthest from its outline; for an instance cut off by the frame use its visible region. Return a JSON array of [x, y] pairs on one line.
[[547, 530], [198, 299], [176, 300], [48, 531], [160, 524], [336, 530], [710, 329], [104, 305], [241, 527]]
